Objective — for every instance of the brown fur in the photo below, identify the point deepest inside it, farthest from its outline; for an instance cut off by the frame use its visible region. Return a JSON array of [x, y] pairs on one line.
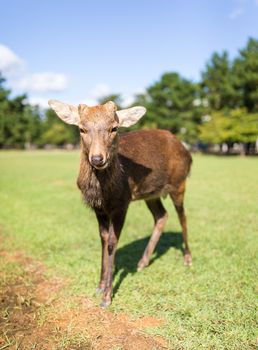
[[134, 172]]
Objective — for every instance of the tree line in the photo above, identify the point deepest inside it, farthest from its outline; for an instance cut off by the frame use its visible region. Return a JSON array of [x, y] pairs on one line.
[[220, 109], [24, 126]]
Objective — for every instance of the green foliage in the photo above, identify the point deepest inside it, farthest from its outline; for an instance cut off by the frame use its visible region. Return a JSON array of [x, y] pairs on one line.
[[56, 135], [56, 132], [214, 130], [172, 103], [19, 122], [170, 99], [217, 82], [245, 70], [234, 126], [232, 92], [244, 126]]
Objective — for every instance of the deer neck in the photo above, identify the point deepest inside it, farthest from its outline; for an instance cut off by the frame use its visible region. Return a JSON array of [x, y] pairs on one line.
[[99, 186]]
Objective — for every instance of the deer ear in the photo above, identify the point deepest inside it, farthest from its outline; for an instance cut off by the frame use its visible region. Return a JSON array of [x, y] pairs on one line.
[[68, 113], [111, 105], [130, 116]]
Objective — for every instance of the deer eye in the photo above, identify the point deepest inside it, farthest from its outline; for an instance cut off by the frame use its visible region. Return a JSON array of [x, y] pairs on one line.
[[114, 129], [83, 131]]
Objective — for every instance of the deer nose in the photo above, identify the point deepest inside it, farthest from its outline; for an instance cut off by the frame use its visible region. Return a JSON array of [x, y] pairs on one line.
[[97, 160]]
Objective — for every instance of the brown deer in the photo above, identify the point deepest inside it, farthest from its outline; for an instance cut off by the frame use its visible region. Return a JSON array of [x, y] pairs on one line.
[[115, 170]]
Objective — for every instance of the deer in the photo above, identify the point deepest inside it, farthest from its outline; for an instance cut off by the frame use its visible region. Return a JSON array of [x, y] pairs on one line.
[[117, 168]]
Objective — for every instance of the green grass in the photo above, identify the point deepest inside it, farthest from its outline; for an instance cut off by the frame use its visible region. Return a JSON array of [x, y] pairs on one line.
[[209, 306]]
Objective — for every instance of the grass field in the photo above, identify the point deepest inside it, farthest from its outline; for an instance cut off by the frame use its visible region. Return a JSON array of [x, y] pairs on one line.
[[211, 305]]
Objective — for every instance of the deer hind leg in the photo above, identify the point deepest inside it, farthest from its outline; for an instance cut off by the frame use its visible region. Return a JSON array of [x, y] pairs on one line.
[[177, 197], [160, 217]]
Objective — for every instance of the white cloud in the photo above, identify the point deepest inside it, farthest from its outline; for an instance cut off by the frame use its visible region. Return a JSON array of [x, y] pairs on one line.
[[87, 101], [9, 61], [43, 82], [39, 101], [236, 13], [128, 99], [14, 68], [100, 90], [240, 7]]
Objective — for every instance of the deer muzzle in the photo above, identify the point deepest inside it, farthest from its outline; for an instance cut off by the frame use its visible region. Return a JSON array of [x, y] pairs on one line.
[[98, 162]]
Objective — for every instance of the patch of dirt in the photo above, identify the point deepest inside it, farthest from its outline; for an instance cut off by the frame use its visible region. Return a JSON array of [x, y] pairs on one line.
[[35, 314]]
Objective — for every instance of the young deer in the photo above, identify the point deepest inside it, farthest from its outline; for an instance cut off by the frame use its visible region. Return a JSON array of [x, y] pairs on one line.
[[114, 170]]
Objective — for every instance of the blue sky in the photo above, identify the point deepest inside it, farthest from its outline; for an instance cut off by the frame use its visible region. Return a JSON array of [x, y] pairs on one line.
[[76, 50]]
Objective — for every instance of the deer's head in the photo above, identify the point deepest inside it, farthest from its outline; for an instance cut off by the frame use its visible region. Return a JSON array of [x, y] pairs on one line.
[[98, 127]]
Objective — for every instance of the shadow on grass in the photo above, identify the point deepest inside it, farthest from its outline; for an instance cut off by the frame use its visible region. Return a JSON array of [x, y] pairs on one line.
[[128, 256]]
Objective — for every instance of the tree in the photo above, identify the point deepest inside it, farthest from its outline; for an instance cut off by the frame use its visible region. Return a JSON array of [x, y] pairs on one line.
[[20, 123], [245, 70], [56, 132], [228, 127], [214, 129], [172, 103], [33, 129], [4, 93], [218, 83]]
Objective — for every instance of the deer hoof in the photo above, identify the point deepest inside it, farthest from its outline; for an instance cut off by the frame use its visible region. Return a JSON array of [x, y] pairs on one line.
[[188, 260], [105, 303]]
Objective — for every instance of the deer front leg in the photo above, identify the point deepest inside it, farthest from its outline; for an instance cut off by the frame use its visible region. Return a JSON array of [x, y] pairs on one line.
[[115, 228], [104, 222]]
